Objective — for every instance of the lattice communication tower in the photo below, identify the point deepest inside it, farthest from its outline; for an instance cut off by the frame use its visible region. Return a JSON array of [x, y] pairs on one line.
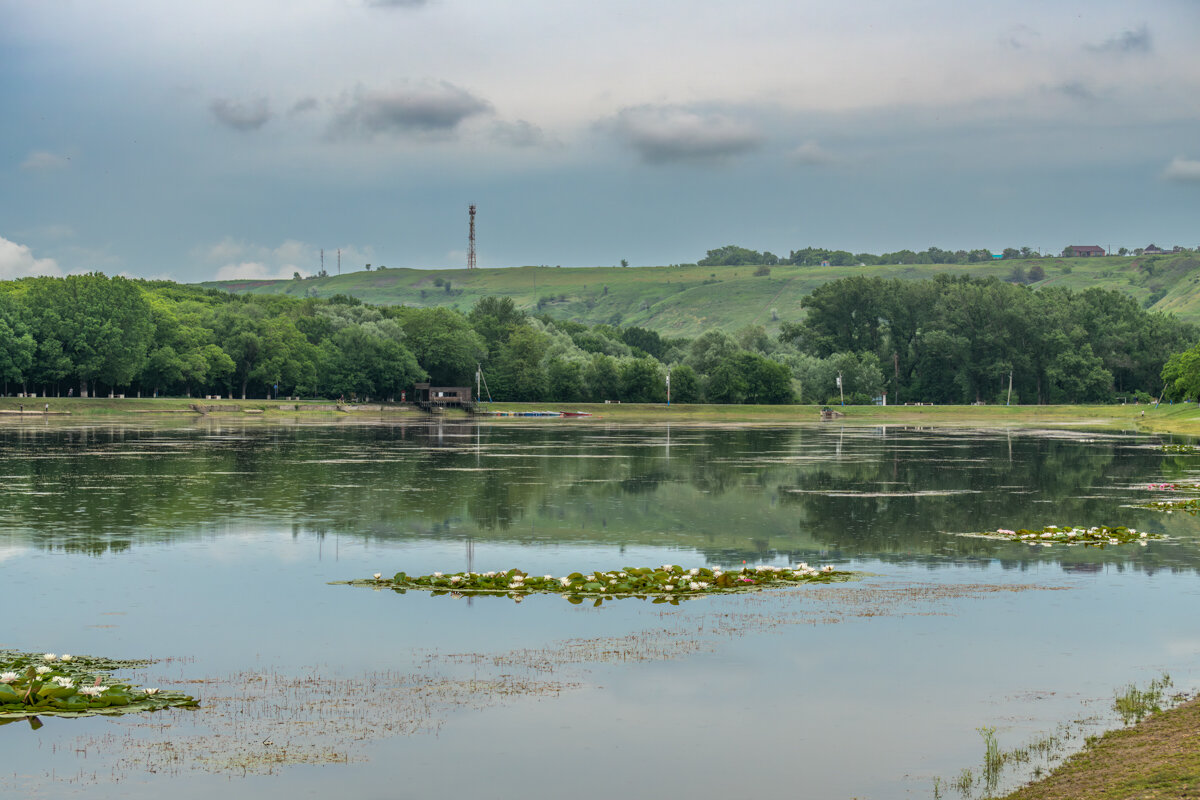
[[471, 241]]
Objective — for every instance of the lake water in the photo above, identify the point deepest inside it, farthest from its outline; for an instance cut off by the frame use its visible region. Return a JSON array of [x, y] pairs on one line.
[[210, 546]]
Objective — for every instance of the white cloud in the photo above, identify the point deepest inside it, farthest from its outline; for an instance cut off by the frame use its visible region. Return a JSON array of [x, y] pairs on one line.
[[45, 160], [17, 261], [255, 271], [238, 260], [1186, 170]]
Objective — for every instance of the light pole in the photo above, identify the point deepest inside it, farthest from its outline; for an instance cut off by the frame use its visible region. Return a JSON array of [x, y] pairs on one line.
[[668, 388]]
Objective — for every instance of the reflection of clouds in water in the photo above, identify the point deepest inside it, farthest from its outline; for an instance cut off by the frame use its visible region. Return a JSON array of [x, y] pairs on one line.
[[7, 552], [1183, 647]]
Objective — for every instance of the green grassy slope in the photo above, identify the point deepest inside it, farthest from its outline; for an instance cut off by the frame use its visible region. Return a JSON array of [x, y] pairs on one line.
[[688, 300]]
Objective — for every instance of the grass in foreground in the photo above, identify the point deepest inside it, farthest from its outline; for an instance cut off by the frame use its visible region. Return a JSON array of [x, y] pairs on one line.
[[1157, 758]]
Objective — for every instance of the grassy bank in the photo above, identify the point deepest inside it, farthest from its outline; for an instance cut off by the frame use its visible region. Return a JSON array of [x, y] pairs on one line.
[[687, 300], [1181, 419], [1157, 758]]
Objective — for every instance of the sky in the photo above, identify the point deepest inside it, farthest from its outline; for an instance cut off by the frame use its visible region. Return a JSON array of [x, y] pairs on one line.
[[214, 140]]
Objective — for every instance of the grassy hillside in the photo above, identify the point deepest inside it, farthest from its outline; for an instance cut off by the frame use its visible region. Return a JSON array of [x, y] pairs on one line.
[[688, 300]]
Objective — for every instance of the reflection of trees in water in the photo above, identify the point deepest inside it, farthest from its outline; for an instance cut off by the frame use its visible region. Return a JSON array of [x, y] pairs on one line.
[[732, 494]]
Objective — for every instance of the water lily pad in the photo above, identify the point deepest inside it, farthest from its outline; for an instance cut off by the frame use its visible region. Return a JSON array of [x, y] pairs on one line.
[[46, 684], [1095, 536], [668, 583]]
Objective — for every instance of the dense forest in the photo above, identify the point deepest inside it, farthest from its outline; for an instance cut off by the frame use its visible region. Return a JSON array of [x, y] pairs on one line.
[[948, 340]]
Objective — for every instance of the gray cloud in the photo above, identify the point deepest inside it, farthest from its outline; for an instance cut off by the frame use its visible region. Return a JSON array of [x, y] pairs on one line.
[[1076, 90], [1184, 170], [241, 116], [429, 109], [812, 154], [1020, 37], [519, 134], [302, 105], [664, 134], [1136, 42]]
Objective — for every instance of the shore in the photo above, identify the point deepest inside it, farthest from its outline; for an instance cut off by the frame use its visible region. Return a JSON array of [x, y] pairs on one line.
[[1157, 758], [1182, 418]]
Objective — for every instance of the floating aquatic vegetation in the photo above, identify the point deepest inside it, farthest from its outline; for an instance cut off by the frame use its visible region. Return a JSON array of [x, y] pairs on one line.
[[669, 583], [1191, 505], [47, 684], [1095, 536], [1179, 448]]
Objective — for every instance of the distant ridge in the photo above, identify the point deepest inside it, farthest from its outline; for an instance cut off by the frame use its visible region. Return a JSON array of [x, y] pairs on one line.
[[687, 300]]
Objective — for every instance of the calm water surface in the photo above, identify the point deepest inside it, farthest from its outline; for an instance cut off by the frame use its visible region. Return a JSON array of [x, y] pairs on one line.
[[210, 547]]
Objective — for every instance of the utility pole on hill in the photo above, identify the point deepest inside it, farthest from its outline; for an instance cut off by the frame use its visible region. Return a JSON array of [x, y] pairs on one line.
[[471, 240]]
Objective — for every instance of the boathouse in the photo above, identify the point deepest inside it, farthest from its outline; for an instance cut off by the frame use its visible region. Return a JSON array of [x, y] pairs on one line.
[[429, 397]]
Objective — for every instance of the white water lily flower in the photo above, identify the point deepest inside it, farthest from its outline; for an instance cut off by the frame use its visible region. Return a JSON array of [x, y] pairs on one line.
[[565, 581], [693, 571], [378, 575], [65, 683], [669, 588], [8, 677], [455, 578], [150, 691], [827, 568], [50, 657], [1140, 535], [548, 577], [42, 670], [693, 586], [437, 574], [65, 657], [92, 691]]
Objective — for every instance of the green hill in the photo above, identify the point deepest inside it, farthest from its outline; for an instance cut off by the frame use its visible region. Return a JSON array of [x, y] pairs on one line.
[[687, 300]]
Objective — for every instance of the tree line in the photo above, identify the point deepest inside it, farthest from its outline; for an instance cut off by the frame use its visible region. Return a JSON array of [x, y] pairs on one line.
[[946, 340], [962, 339], [734, 256]]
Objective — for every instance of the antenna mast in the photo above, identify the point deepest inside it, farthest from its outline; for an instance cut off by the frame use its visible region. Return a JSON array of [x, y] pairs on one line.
[[471, 241], [339, 261]]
